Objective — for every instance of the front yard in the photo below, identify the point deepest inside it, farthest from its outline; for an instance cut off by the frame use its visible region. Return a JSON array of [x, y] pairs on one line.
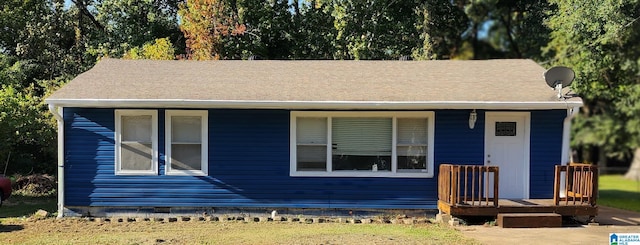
[[618, 192], [17, 226], [81, 231]]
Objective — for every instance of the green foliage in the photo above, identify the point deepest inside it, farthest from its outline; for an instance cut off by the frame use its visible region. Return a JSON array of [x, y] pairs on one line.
[[601, 42], [314, 35], [44, 44], [515, 29], [161, 49], [441, 28], [270, 31], [121, 25], [15, 15], [369, 29], [26, 130]]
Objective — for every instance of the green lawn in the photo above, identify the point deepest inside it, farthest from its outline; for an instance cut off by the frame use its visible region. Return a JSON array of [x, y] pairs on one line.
[[24, 206], [618, 192]]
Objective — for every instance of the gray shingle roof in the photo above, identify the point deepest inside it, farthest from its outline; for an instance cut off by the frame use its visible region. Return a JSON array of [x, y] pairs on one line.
[[312, 84]]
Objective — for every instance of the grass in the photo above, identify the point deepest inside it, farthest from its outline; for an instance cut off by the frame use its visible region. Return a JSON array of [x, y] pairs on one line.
[[618, 192], [19, 226], [24, 206], [81, 231]]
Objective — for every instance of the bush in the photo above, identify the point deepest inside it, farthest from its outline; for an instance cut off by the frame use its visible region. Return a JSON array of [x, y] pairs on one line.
[[38, 185]]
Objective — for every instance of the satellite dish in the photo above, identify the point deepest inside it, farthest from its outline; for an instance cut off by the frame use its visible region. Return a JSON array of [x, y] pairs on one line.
[[559, 75]]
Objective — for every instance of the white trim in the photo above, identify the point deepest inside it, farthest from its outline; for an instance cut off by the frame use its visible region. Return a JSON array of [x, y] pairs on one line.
[[565, 158], [527, 144], [58, 114], [204, 150], [320, 105], [154, 141], [394, 146], [329, 146], [386, 114], [566, 135]]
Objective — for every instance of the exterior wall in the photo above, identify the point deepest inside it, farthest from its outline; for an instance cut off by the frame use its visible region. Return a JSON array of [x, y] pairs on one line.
[[546, 150], [249, 165]]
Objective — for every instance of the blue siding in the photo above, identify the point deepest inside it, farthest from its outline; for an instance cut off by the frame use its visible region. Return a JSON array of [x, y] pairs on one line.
[[249, 165], [455, 142], [546, 150]]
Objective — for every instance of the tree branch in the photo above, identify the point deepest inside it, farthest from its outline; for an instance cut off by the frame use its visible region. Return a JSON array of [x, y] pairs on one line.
[[82, 7]]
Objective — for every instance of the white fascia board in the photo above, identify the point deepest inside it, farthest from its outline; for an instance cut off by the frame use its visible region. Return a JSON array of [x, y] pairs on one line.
[[338, 105]]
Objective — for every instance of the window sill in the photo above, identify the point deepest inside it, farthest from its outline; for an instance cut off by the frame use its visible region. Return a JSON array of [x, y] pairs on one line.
[[130, 173], [360, 174], [186, 173]]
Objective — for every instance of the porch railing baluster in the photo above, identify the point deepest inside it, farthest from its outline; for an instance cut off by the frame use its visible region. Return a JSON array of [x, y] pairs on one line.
[[456, 187], [580, 184]]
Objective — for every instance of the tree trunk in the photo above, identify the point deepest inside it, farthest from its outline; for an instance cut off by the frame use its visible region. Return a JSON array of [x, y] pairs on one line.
[[602, 160], [634, 170]]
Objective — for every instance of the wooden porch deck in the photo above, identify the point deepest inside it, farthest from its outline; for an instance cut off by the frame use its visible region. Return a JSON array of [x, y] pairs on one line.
[[472, 190], [518, 206]]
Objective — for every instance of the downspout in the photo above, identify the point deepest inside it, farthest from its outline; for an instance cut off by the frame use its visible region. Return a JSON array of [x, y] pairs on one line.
[[566, 134], [566, 149], [56, 111]]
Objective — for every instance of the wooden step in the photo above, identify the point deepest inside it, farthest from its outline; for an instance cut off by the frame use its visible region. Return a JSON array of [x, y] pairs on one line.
[[529, 220]]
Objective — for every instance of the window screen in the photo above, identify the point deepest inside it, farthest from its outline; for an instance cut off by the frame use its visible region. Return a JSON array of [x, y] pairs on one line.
[[136, 146], [186, 143], [136, 142]]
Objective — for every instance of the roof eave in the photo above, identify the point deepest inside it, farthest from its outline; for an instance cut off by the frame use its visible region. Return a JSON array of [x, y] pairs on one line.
[[318, 105]]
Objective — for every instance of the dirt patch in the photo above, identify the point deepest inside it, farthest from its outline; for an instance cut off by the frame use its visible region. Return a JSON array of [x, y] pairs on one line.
[[611, 220], [81, 231], [564, 235]]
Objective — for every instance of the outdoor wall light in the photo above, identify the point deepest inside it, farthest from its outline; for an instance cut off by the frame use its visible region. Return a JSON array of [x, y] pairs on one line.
[[473, 117]]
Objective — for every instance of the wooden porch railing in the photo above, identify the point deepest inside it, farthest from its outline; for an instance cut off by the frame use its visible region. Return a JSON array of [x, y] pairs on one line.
[[468, 184], [580, 184]]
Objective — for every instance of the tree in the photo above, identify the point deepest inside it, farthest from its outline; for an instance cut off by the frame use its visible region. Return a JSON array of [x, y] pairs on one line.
[[269, 34], [204, 24], [27, 132], [441, 30], [160, 49], [314, 34], [601, 42], [370, 29], [115, 26], [507, 28]]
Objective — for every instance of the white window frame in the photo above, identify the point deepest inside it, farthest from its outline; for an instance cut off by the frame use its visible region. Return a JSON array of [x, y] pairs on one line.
[[394, 173], [204, 164], [118, 141]]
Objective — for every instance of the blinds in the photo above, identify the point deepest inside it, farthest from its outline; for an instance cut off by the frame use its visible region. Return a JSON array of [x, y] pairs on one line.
[[311, 130], [311, 138], [362, 136], [412, 131]]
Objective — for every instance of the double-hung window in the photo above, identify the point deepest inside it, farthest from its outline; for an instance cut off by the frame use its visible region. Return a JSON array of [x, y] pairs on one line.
[[362, 144], [136, 137], [186, 142]]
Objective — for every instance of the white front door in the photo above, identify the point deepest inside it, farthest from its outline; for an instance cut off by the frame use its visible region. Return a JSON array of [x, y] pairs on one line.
[[507, 146]]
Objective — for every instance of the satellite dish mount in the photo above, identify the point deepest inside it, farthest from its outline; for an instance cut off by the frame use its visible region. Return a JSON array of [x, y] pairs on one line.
[[558, 78]]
